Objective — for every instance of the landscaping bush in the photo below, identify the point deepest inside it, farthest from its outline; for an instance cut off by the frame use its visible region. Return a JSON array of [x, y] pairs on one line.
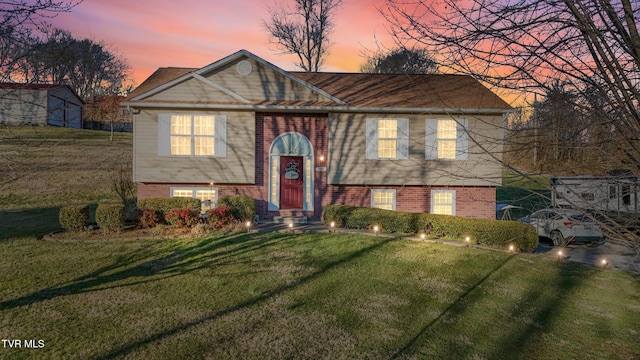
[[110, 216], [165, 204], [184, 217], [74, 217], [220, 217], [484, 231], [243, 208], [149, 218]]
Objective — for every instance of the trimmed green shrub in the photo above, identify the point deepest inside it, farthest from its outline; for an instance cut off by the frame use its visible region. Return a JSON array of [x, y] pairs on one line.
[[220, 217], [491, 232], [165, 204], [74, 217], [110, 216], [243, 208], [182, 217]]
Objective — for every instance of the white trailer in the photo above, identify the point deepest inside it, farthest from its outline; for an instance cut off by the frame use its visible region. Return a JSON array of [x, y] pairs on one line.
[[600, 193]]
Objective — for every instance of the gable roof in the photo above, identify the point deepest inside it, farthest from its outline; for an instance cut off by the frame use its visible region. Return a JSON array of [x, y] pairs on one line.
[[345, 92], [39, 87], [406, 90]]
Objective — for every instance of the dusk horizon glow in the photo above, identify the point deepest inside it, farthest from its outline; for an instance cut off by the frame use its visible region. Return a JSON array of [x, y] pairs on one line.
[[194, 33]]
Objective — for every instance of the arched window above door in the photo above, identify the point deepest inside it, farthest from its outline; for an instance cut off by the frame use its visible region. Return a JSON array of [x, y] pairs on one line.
[[291, 143]]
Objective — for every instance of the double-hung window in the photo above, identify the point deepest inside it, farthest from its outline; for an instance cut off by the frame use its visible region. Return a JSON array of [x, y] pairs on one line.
[[446, 139], [443, 202], [192, 135], [387, 139], [383, 199]]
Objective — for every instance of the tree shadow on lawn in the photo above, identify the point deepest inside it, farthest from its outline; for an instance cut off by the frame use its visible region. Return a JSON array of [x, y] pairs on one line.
[[522, 339], [149, 267], [124, 350], [28, 223]]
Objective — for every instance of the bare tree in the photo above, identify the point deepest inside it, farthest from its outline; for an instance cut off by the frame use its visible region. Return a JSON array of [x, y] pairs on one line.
[[303, 30], [592, 47], [20, 23], [401, 60]]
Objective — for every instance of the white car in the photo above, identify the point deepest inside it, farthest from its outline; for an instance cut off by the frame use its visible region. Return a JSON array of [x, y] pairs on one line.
[[565, 226]]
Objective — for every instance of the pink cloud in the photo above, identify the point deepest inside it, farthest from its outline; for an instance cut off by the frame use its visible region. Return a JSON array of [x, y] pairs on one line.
[[192, 33]]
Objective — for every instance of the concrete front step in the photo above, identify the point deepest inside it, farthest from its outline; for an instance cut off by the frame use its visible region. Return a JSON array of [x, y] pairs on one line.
[[290, 219]]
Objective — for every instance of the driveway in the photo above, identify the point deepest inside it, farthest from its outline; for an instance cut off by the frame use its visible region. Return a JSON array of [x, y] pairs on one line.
[[616, 255]]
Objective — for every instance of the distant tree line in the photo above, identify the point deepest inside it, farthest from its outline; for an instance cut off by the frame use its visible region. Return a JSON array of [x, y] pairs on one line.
[[32, 51]]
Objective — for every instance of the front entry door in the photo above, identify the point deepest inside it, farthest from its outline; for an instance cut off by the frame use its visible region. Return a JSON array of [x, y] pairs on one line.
[[291, 182]]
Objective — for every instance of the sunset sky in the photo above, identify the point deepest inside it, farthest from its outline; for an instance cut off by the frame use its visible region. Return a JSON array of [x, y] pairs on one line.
[[193, 33]]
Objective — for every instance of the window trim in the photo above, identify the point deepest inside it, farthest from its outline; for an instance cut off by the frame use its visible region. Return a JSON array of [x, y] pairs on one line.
[[402, 138], [219, 136], [453, 200], [393, 200], [431, 139]]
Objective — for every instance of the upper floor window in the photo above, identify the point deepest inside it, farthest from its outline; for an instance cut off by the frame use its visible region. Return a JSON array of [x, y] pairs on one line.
[[387, 139], [446, 139], [192, 135]]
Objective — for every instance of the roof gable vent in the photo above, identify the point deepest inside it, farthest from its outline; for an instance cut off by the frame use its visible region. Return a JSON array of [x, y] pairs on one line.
[[244, 68]]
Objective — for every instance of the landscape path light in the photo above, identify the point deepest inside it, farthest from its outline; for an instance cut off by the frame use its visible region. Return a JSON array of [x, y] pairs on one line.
[[604, 263], [332, 226], [560, 254], [467, 240], [248, 225], [512, 248], [422, 236], [376, 228]]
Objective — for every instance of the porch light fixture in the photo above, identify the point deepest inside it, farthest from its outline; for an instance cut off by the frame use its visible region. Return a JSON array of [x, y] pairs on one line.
[[321, 158]]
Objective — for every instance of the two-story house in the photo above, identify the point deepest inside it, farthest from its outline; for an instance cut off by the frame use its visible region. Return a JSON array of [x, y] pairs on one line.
[[299, 141]]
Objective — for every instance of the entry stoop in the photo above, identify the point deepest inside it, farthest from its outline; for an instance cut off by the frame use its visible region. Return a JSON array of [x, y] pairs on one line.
[[289, 219]]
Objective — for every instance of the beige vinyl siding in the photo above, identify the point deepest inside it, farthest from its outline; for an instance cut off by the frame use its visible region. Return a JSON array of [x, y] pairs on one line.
[[238, 166], [348, 164], [193, 90], [262, 84]]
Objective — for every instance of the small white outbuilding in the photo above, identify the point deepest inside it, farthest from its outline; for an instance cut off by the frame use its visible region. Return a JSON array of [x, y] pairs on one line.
[[40, 104]]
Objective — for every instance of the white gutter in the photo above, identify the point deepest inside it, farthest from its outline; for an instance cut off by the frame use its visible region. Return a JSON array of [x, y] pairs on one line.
[[333, 109]]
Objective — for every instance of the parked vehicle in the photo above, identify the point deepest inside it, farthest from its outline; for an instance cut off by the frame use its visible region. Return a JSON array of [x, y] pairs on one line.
[[564, 226]]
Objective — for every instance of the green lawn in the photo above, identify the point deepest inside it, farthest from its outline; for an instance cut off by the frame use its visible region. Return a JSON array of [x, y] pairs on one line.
[[278, 296], [296, 296]]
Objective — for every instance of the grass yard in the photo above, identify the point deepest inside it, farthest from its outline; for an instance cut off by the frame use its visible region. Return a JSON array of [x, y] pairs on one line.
[[45, 168], [297, 296], [276, 296]]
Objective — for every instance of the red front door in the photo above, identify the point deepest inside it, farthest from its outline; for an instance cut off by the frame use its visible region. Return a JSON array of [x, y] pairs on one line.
[[291, 182]]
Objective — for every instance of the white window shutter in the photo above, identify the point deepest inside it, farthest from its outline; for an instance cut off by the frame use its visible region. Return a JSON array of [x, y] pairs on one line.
[[403, 139], [462, 140], [164, 135], [220, 142], [431, 139], [372, 139]]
